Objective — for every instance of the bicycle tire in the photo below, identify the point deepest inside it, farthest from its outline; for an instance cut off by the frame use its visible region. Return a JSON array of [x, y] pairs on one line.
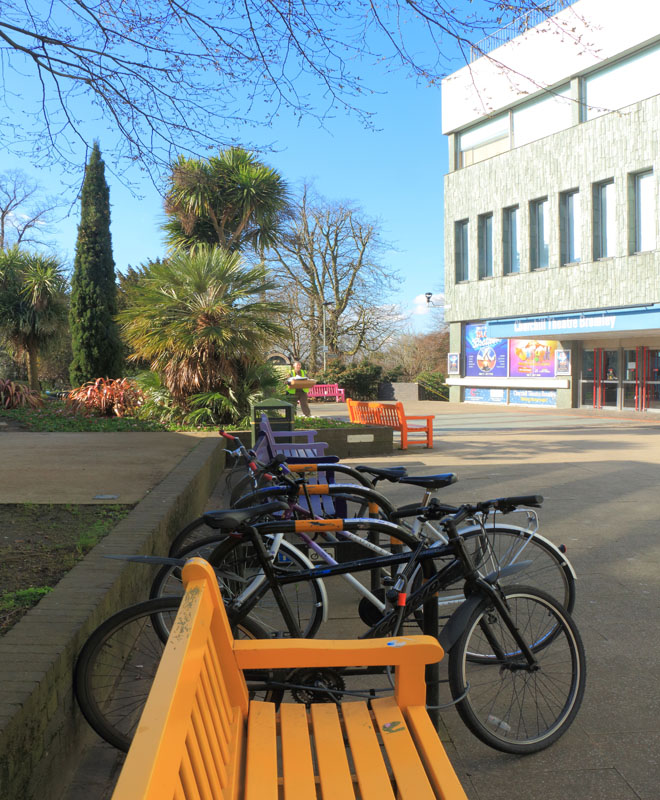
[[507, 706], [116, 666], [235, 567], [549, 571]]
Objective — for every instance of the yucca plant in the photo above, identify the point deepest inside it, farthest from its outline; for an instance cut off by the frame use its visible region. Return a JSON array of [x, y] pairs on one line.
[[197, 318], [18, 395], [106, 397]]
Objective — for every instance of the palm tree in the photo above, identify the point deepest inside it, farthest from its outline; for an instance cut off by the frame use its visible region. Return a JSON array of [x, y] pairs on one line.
[[232, 200], [33, 303], [197, 317]]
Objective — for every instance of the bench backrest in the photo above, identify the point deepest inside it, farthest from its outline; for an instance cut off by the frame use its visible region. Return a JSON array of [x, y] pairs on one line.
[[390, 414], [193, 725], [327, 390]]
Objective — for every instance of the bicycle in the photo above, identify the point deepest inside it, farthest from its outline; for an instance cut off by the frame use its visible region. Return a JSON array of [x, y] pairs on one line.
[[499, 544], [517, 667]]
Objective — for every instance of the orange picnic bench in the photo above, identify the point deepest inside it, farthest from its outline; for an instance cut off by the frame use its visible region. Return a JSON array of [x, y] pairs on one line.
[[201, 737], [393, 416]]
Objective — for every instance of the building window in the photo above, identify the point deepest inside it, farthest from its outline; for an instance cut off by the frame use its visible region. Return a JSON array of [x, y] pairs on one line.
[[510, 240], [542, 117], [569, 226], [628, 81], [483, 141], [643, 222], [486, 246], [604, 220], [461, 247], [538, 233]]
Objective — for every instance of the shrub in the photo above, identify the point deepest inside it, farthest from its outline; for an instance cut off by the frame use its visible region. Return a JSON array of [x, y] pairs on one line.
[[433, 384], [360, 380], [18, 395], [106, 397]]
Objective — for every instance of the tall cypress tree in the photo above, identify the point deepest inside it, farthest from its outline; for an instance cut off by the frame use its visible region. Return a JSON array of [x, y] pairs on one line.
[[97, 350]]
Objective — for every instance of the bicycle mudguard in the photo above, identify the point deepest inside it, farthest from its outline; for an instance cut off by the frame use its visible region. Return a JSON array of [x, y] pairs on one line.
[[459, 619]]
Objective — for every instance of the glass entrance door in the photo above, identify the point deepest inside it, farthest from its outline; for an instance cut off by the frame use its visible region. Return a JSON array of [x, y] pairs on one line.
[[601, 378]]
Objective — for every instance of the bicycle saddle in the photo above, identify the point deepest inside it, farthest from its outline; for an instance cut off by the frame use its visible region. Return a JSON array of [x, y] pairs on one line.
[[432, 481], [392, 474], [234, 518]]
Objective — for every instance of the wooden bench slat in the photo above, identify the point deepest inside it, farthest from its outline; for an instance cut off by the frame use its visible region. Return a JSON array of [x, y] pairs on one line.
[[193, 745], [409, 773], [370, 770], [203, 734], [261, 753], [297, 764], [333, 769], [188, 777], [433, 754], [217, 740]]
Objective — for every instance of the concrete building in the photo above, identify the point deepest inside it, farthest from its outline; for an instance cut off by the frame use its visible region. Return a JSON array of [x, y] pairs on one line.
[[552, 267]]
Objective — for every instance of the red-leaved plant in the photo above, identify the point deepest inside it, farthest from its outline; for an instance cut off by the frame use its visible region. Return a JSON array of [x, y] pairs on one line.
[[18, 395], [106, 397]]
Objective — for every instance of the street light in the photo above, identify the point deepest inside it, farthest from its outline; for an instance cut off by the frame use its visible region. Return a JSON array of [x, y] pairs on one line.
[[325, 349], [428, 297]]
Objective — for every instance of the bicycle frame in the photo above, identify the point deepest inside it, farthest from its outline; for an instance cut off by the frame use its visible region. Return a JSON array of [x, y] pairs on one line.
[[460, 566]]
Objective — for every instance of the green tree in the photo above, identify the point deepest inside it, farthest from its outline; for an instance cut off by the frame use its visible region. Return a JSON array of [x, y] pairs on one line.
[[198, 319], [232, 200], [97, 350], [33, 304]]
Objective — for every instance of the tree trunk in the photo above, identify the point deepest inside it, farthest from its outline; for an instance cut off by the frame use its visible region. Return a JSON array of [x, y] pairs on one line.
[[33, 368]]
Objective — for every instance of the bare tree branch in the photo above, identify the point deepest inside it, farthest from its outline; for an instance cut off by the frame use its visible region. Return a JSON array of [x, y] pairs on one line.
[[25, 214], [331, 256], [171, 76]]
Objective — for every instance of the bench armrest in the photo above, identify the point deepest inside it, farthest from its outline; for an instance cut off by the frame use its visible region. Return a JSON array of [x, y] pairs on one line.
[[284, 653], [408, 654], [407, 417]]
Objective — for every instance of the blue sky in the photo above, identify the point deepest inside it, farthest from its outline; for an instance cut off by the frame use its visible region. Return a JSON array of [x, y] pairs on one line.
[[395, 173]]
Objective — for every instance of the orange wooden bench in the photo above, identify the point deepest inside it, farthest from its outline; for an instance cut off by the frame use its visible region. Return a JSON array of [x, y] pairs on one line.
[[201, 737], [393, 416]]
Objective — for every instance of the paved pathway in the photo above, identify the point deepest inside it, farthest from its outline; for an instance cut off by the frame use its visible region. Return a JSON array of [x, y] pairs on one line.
[[87, 467], [450, 417], [601, 484]]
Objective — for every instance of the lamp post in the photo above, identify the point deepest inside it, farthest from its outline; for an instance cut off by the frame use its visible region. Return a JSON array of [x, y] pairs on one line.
[[325, 349]]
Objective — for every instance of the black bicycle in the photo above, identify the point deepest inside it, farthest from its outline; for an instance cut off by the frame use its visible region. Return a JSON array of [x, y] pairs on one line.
[[516, 661]]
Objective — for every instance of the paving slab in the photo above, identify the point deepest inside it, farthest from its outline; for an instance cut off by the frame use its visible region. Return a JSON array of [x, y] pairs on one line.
[[87, 467]]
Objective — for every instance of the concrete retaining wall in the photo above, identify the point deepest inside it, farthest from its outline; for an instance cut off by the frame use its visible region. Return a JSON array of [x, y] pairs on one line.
[[404, 392], [42, 732]]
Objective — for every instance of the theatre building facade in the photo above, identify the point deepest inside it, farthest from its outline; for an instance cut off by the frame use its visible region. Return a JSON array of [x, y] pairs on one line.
[[552, 267]]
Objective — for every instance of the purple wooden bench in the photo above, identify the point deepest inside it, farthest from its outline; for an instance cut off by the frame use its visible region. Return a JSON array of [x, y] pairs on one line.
[[323, 390], [305, 449]]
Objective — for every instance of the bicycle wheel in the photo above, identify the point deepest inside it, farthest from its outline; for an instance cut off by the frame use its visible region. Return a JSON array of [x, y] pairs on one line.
[[508, 704], [499, 547], [548, 571], [236, 566], [117, 665]]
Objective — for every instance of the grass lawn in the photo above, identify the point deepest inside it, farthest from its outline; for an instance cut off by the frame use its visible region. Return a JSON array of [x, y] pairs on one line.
[[39, 544]]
